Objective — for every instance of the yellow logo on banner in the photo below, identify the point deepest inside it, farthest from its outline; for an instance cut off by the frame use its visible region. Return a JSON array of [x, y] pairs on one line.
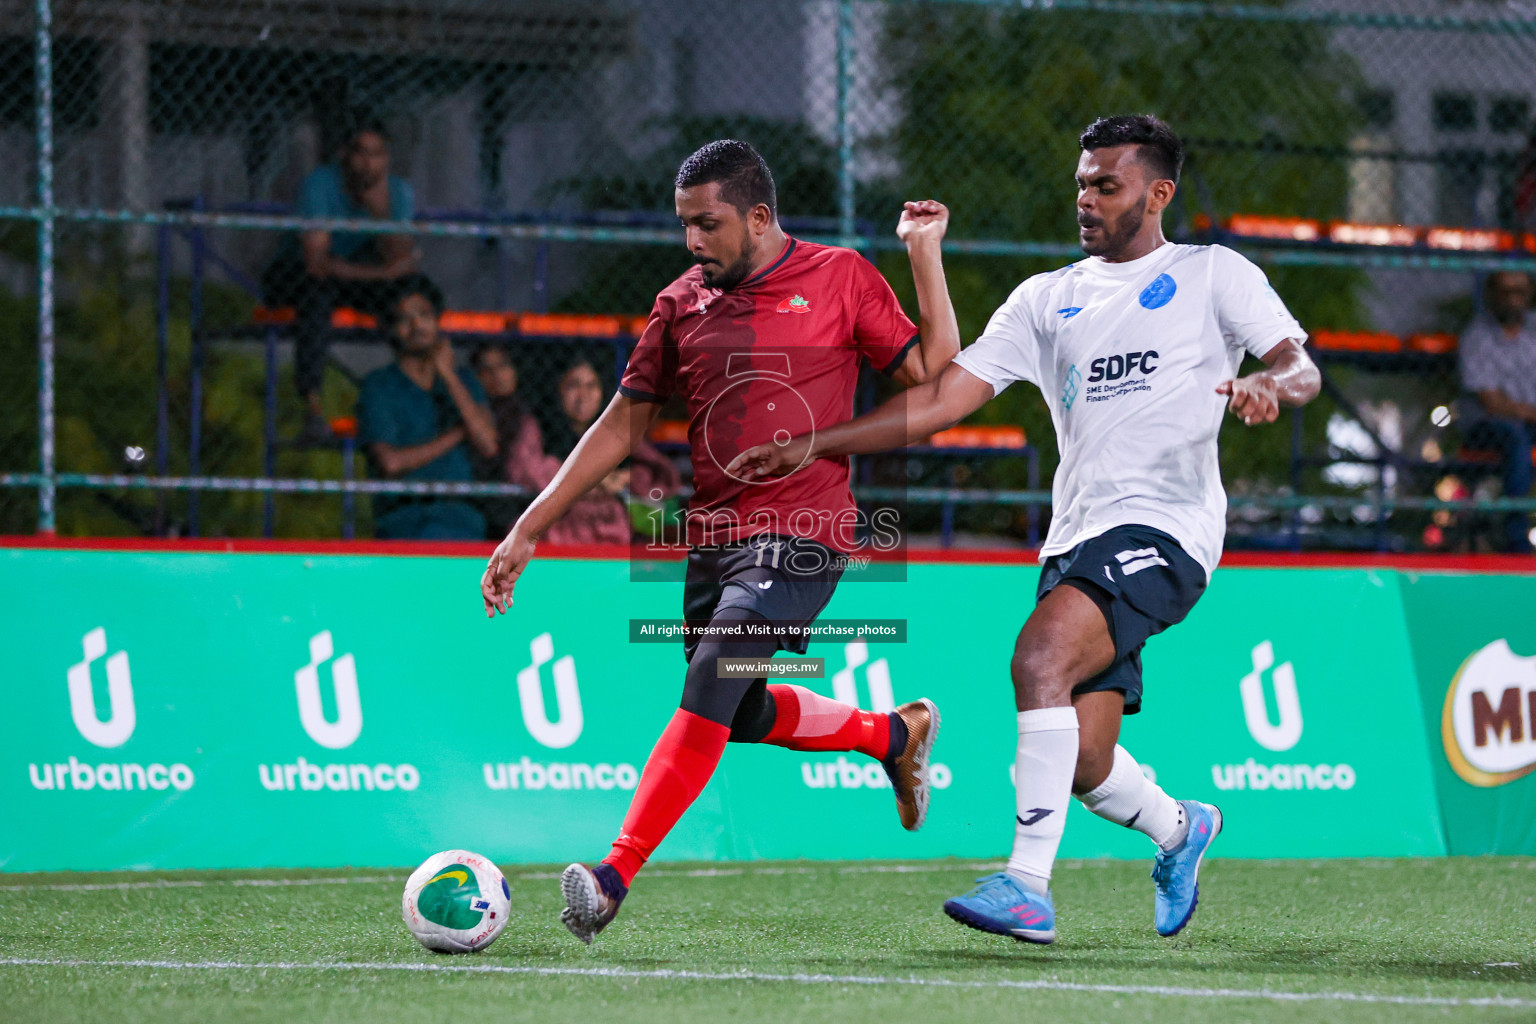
[[1488, 724]]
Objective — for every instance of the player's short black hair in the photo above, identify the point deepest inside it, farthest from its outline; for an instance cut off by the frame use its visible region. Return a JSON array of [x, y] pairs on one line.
[[1159, 146], [741, 171]]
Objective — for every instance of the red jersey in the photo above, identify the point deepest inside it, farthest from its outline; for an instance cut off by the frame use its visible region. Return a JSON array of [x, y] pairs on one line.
[[775, 357]]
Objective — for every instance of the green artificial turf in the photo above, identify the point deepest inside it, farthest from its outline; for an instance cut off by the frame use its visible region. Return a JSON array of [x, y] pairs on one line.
[[1385, 928]]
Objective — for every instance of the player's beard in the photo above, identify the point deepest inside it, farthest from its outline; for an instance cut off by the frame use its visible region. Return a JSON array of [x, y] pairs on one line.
[[730, 275], [1115, 238]]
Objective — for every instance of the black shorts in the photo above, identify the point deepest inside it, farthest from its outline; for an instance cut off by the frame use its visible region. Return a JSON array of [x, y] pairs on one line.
[[786, 580], [1142, 581]]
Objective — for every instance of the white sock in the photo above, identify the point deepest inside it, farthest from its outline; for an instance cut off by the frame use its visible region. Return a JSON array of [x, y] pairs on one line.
[[1043, 769], [1131, 799]]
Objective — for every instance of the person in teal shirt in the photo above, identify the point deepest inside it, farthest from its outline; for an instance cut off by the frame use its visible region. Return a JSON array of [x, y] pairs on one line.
[[316, 271], [419, 418]]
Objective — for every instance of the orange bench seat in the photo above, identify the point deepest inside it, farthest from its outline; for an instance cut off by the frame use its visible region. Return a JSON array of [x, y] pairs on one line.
[[464, 321]]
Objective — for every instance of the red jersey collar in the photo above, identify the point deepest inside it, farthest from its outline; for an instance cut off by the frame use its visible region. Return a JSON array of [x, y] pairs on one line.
[[789, 248]]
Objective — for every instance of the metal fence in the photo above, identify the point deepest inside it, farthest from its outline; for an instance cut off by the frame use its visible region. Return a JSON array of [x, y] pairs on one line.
[[154, 154]]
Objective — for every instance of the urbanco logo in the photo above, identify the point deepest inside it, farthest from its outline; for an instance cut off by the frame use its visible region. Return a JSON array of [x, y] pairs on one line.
[[1488, 723], [302, 774], [530, 691], [1276, 736], [114, 732], [526, 774], [1286, 733], [877, 676], [75, 774], [349, 707]]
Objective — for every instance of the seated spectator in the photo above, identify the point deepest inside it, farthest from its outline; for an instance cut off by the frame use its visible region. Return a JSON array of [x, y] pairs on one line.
[[601, 516], [498, 376], [318, 271], [419, 418], [1498, 369]]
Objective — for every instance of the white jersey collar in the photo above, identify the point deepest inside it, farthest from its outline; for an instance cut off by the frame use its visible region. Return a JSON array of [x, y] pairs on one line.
[[1131, 268]]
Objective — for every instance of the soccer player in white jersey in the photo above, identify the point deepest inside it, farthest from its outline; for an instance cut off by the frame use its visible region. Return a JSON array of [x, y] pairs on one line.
[[1136, 349]]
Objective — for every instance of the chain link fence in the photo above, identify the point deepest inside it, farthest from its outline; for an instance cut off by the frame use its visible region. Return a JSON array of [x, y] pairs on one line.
[[164, 163]]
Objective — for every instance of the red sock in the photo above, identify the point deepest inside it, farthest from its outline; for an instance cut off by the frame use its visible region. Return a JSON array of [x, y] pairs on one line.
[[675, 774], [809, 721]]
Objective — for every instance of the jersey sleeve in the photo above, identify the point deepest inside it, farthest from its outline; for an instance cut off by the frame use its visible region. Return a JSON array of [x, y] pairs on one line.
[[651, 375], [1250, 313], [1009, 349], [882, 331]]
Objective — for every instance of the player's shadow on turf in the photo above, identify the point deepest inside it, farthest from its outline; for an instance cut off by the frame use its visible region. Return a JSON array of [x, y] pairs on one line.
[[1318, 960], [1336, 962], [942, 959]]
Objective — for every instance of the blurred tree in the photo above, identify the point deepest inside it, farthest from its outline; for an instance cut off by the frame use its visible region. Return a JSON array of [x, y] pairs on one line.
[[105, 395]]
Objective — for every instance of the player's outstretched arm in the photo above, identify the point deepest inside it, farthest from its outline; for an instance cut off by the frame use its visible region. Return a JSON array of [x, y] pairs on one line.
[[910, 416], [1289, 378], [605, 444], [922, 227]]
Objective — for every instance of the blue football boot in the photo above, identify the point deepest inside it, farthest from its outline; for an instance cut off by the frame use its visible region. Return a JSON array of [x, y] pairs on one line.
[[1177, 873], [1003, 905]]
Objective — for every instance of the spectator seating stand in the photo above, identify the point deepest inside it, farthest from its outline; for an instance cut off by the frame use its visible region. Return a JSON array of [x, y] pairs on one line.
[[268, 326], [1383, 353]]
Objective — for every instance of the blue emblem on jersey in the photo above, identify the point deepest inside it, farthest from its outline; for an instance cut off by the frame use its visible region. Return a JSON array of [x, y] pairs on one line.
[[1069, 386], [1070, 312], [1159, 292]]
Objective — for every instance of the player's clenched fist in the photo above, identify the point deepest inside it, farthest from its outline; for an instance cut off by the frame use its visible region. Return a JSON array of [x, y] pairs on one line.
[[501, 572], [766, 460], [1254, 399], [924, 219]]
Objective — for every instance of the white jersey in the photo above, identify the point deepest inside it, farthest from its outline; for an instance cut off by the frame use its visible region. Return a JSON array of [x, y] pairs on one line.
[[1128, 356]]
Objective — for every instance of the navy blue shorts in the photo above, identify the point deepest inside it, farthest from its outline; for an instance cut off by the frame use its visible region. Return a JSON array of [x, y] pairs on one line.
[[1142, 581], [786, 580]]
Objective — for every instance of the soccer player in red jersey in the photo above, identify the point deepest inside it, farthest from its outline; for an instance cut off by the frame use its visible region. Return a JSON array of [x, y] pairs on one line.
[[762, 339]]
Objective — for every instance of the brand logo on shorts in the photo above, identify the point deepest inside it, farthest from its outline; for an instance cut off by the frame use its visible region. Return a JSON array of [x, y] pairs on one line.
[[794, 304], [1137, 559], [1489, 716]]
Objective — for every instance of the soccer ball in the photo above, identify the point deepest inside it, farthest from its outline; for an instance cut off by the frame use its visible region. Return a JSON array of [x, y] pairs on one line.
[[456, 902]]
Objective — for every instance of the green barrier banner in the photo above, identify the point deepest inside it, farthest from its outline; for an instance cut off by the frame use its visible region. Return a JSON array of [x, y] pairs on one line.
[[1474, 642], [174, 710]]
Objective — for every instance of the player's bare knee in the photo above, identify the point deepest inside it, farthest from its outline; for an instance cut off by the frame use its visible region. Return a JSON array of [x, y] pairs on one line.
[[1040, 678]]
